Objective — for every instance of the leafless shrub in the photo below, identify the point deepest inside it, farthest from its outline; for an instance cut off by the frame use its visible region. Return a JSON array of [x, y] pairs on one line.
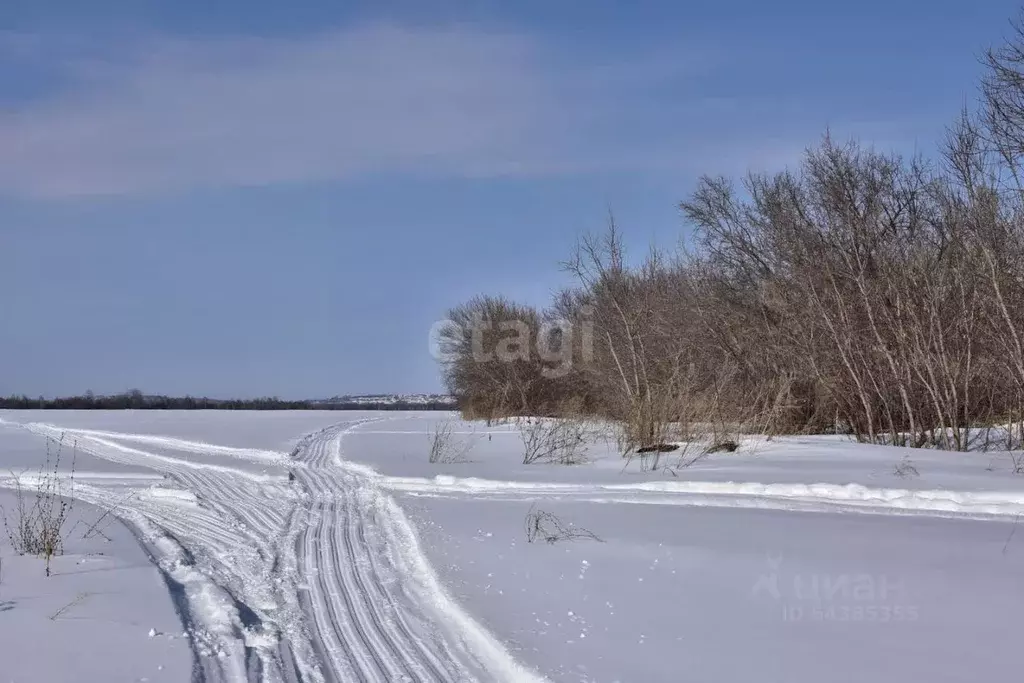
[[545, 526], [445, 446], [37, 524], [561, 441], [905, 468]]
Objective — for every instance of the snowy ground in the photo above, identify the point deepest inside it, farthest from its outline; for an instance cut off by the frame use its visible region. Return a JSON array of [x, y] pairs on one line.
[[321, 546], [105, 613]]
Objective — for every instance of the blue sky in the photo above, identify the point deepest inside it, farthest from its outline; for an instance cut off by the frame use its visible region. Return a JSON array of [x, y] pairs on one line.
[[228, 198]]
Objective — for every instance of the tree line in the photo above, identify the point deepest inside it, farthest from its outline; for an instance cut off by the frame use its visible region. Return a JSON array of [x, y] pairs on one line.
[[860, 291], [136, 400]]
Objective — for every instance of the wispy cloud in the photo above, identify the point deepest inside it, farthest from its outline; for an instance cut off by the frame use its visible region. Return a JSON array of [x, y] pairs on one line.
[[172, 114]]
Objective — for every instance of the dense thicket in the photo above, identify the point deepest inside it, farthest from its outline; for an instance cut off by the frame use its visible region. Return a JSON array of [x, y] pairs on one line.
[[862, 291]]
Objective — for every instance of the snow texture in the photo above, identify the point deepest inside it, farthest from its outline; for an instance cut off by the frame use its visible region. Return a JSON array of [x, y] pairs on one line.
[[344, 555]]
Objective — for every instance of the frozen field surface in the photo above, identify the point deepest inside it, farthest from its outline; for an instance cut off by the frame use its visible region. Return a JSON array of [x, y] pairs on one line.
[[105, 614], [702, 594], [324, 546]]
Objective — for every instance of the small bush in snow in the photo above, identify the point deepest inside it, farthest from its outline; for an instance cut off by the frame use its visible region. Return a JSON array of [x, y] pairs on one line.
[[562, 441], [445, 448], [545, 526], [905, 468], [37, 525]]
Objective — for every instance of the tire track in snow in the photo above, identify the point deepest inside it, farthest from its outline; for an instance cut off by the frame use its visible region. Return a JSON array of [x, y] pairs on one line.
[[223, 554], [376, 561], [352, 590], [335, 640], [320, 579]]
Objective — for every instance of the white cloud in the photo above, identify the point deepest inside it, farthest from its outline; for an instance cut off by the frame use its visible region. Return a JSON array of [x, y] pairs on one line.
[[176, 114]]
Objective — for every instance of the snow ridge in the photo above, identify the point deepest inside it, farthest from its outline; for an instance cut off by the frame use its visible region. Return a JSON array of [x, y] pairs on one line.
[[810, 497]]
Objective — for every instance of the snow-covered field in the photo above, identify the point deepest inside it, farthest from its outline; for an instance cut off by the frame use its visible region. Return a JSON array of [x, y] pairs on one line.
[[323, 546]]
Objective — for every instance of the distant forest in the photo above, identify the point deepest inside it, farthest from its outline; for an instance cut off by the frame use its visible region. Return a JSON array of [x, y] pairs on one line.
[[136, 400]]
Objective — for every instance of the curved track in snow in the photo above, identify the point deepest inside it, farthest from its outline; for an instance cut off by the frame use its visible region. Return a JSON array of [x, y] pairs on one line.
[[304, 570]]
